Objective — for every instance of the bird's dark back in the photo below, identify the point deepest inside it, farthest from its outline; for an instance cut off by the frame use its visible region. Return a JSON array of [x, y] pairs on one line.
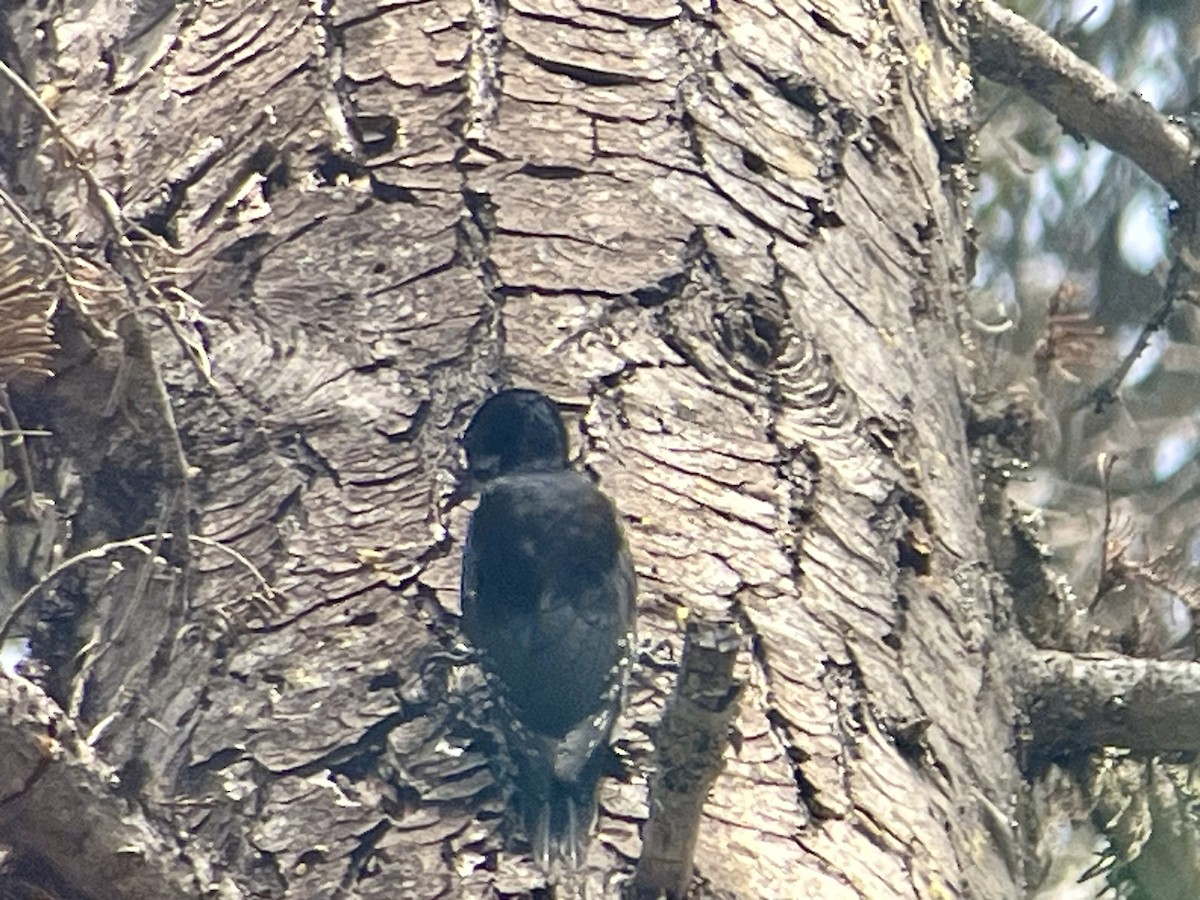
[[548, 594]]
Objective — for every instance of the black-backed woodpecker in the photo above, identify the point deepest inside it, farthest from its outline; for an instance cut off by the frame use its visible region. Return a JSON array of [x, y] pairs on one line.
[[548, 600]]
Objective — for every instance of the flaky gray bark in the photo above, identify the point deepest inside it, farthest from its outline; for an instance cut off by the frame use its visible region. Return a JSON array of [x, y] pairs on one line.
[[732, 238]]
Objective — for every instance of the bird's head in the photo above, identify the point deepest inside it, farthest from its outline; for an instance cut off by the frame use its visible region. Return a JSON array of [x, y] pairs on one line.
[[518, 430]]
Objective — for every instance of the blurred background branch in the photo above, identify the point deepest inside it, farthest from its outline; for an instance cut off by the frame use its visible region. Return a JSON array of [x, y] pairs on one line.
[[1086, 102]]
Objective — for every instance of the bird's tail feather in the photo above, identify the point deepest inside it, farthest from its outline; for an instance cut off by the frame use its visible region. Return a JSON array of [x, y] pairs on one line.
[[559, 824]]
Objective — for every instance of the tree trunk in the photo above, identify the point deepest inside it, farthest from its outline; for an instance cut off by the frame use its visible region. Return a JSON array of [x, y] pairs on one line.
[[731, 240]]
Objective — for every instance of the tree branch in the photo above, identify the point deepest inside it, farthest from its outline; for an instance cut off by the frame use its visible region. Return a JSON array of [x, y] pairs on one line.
[[691, 741], [1010, 50], [1080, 702]]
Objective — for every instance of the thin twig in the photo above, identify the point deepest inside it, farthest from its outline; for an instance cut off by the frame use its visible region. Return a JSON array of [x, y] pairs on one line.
[[192, 348], [1106, 392], [133, 599], [107, 203], [133, 333], [1104, 462], [140, 542], [35, 233], [62, 265], [22, 453]]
